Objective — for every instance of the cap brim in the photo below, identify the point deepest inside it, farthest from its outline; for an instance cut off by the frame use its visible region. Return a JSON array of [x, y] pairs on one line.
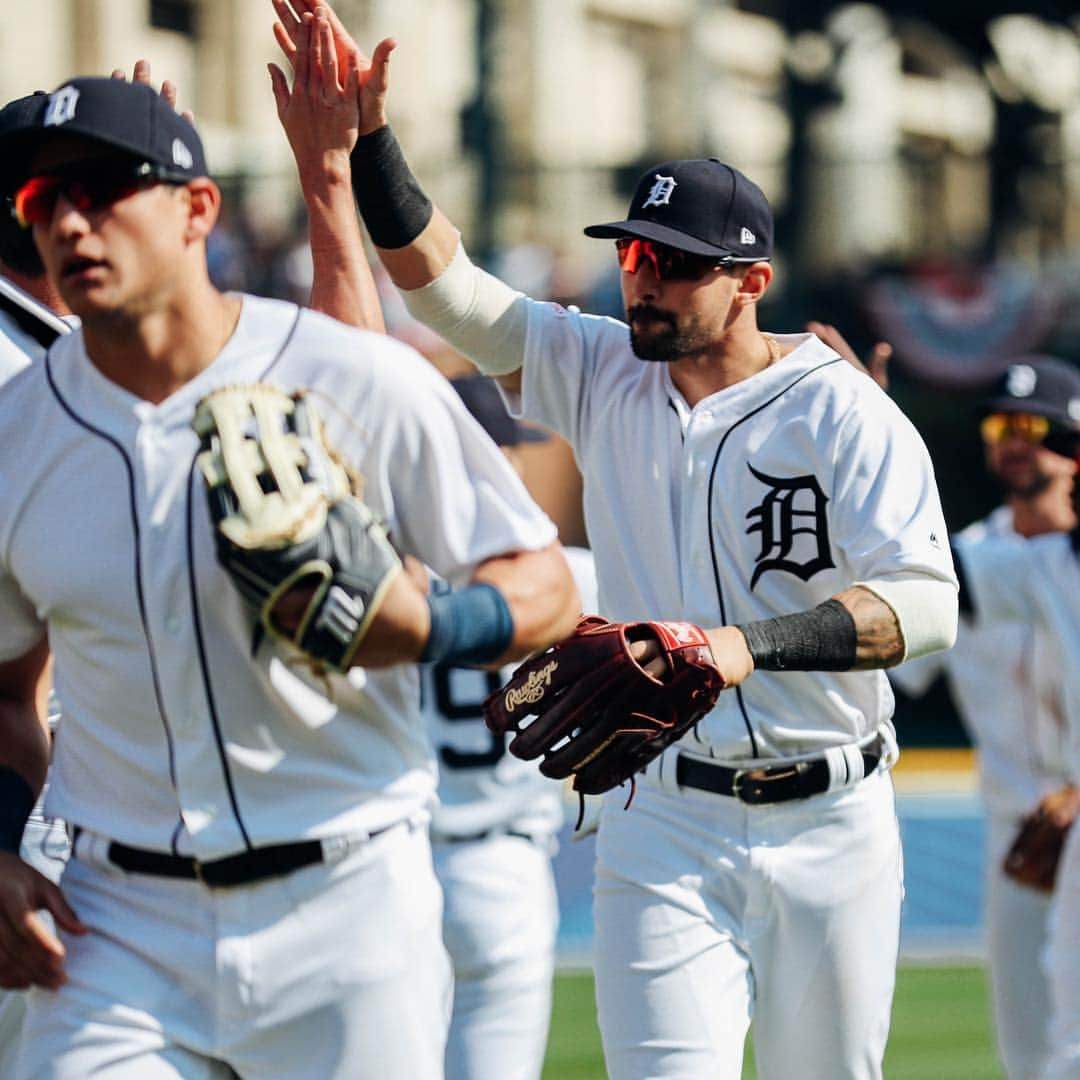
[[1055, 414], [662, 234]]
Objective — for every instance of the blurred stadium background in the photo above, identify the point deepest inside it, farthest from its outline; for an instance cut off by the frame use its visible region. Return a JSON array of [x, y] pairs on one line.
[[922, 157]]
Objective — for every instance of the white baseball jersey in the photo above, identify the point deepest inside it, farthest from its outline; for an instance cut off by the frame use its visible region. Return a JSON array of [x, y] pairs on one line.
[[175, 736], [1006, 679], [481, 786], [1034, 580], [765, 498]]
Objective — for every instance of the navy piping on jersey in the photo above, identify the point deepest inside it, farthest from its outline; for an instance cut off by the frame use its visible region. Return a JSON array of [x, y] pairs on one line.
[[196, 613], [139, 594], [712, 534]]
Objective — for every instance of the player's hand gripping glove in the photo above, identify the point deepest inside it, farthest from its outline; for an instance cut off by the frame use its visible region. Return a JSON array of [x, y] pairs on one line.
[[1033, 857], [308, 556], [590, 710]]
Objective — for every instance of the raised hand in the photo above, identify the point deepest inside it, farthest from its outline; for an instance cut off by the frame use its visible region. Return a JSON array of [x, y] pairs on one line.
[[876, 364], [320, 113], [373, 75], [141, 74]]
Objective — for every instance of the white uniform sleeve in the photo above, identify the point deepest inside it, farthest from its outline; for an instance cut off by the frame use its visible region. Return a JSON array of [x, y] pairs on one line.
[[997, 573], [887, 514], [20, 628], [454, 499]]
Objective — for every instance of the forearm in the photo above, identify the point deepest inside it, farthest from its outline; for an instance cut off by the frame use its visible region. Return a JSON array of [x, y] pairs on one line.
[[879, 641], [541, 595], [24, 744], [342, 283], [853, 631]]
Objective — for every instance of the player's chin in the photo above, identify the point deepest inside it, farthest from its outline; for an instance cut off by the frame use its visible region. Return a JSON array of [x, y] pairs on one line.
[[653, 345]]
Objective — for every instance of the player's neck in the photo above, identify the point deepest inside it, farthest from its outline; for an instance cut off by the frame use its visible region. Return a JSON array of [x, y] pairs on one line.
[[153, 354], [742, 352]]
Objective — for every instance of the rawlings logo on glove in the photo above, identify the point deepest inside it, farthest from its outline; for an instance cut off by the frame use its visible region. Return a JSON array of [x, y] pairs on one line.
[[307, 555], [589, 709]]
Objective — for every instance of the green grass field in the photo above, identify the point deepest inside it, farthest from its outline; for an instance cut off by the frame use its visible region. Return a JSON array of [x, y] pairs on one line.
[[940, 1029]]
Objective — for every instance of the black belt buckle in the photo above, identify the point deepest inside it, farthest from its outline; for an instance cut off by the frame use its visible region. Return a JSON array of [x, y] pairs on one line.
[[752, 786]]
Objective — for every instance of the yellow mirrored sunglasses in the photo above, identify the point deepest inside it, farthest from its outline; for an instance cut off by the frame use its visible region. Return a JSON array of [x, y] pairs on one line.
[[997, 427]]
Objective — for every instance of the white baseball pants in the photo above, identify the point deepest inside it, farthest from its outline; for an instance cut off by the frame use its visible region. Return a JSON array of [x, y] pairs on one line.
[[335, 970], [499, 926], [711, 914], [1063, 964], [1017, 927]]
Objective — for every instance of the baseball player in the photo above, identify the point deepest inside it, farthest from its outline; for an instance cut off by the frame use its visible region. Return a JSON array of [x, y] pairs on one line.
[[493, 828], [250, 890], [28, 325], [1038, 580], [1006, 678], [760, 487], [493, 837]]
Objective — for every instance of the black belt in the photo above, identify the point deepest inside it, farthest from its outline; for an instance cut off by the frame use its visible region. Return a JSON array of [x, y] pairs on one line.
[[771, 784], [472, 838], [250, 866]]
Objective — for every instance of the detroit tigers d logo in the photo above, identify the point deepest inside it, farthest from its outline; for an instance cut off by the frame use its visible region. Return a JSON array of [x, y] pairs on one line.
[[792, 523]]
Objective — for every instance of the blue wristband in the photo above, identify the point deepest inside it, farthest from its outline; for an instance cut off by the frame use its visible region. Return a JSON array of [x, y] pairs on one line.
[[469, 626], [16, 802]]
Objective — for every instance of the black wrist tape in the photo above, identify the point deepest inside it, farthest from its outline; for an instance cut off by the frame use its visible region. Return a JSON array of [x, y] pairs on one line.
[[16, 802], [394, 208], [822, 639]]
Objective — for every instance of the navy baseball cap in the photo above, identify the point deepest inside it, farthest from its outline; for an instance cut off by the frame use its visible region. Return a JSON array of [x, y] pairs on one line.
[[1041, 385], [702, 206], [130, 117], [482, 399]]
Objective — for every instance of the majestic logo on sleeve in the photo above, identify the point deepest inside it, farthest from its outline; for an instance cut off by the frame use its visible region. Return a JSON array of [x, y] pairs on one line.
[[793, 527], [661, 191]]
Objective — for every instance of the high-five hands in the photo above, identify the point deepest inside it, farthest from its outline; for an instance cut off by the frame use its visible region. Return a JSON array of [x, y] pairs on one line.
[[325, 28]]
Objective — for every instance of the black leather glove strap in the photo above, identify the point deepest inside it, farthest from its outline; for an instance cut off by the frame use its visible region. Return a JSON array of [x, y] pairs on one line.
[[823, 639], [16, 802], [391, 202]]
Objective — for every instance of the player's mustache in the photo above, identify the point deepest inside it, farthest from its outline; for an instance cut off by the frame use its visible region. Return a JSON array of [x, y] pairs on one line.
[[647, 311]]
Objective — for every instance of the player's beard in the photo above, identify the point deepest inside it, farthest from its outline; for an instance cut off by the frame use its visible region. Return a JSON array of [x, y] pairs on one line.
[[656, 335]]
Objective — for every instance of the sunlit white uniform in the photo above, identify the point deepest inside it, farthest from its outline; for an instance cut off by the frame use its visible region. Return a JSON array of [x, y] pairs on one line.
[[493, 836], [1006, 679], [766, 498], [184, 733], [1039, 580], [45, 843]]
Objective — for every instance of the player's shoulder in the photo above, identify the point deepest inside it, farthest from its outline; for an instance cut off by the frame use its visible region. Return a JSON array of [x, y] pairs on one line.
[[330, 348]]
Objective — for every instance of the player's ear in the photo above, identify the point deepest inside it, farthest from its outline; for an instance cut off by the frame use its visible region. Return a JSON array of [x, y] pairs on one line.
[[755, 280], [204, 201]]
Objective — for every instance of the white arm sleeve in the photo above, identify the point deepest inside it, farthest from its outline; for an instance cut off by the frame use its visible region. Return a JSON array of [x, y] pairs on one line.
[[481, 316], [925, 607]]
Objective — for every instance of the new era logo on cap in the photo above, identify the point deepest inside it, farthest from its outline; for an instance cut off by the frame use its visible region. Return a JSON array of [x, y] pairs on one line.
[[701, 206]]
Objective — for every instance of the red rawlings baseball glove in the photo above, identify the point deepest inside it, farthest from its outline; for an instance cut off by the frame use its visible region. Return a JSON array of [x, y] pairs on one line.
[[591, 711]]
